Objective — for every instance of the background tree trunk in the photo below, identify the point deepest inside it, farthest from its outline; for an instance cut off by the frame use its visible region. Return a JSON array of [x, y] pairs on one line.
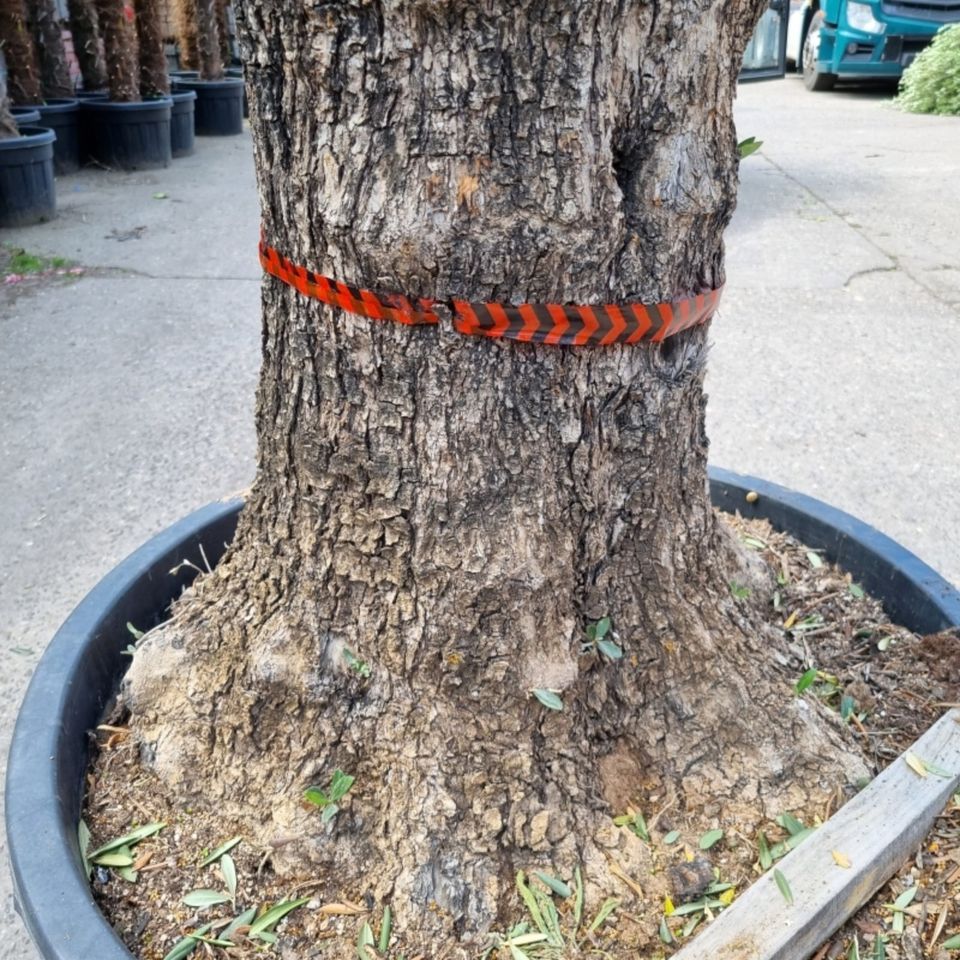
[[20, 52], [54, 70], [119, 31], [223, 31], [8, 126], [185, 17], [208, 40], [454, 512], [153, 61], [87, 44]]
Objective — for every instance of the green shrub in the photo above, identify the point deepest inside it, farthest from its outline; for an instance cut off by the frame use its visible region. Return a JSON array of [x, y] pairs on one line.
[[931, 84]]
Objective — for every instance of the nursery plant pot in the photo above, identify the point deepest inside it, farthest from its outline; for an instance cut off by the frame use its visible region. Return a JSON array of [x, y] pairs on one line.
[[25, 116], [238, 72], [182, 123], [27, 192], [128, 136], [219, 107], [63, 117], [92, 94], [81, 668]]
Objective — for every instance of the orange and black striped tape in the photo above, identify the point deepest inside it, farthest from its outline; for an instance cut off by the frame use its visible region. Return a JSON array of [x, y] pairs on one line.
[[553, 323]]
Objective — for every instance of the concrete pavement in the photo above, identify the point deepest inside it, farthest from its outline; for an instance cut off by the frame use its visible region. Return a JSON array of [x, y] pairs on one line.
[[126, 396]]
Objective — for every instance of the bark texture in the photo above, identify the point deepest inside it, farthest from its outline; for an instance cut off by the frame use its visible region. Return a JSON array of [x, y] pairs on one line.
[[223, 31], [153, 61], [119, 30], [20, 53], [185, 18], [87, 44], [54, 70], [8, 126], [454, 512], [208, 40]]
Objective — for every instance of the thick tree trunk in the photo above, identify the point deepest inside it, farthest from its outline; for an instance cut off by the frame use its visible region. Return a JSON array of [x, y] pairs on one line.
[[208, 40], [153, 61], [54, 70], [20, 53], [119, 31], [87, 44], [455, 512], [223, 31], [8, 126], [185, 19]]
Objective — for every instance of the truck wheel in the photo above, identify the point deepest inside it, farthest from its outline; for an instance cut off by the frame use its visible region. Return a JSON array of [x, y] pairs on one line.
[[814, 79]]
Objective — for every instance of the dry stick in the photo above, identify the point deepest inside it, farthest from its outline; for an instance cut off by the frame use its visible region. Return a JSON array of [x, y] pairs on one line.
[[185, 20], [20, 52], [120, 42], [54, 70], [153, 62], [87, 44]]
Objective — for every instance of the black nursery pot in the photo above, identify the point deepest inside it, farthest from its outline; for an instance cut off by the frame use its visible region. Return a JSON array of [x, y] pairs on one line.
[[25, 116], [182, 123], [27, 192], [219, 106], [81, 668], [63, 117], [238, 72], [128, 136]]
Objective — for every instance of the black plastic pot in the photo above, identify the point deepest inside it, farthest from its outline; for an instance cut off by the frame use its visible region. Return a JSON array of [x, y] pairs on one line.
[[182, 123], [83, 664], [25, 116], [128, 136], [63, 117], [238, 72], [219, 107], [92, 94], [27, 192]]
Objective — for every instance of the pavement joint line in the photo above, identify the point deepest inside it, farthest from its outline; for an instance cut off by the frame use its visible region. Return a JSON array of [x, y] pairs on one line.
[[859, 230]]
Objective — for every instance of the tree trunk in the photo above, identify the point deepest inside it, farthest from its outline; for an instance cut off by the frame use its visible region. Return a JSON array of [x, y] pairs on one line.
[[223, 31], [8, 126], [208, 40], [185, 19], [153, 61], [437, 519], [119, 31], [87, 44], [54, 70], [20, 53]]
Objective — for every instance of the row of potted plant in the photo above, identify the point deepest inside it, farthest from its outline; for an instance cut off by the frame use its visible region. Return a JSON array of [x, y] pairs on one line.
[[131, 113]]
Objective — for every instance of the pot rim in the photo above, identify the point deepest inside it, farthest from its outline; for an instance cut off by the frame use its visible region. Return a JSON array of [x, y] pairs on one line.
[[78, 673], [31, 135]]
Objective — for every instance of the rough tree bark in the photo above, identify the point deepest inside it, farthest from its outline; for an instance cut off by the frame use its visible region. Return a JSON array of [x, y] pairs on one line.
[[154, 81], [119, 31], [456, 511], [54, 69], [8, 126], [208, 40], [185, 19], [87, 44], [20, 53], [223, 31]]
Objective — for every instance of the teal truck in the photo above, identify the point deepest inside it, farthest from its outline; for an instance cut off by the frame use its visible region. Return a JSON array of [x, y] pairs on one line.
[[850, 39]]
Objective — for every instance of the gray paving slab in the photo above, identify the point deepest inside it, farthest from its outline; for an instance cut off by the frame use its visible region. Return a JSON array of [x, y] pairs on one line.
[[126, 397]]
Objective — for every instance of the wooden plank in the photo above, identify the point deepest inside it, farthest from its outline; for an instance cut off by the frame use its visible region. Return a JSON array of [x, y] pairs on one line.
[[877, 830]]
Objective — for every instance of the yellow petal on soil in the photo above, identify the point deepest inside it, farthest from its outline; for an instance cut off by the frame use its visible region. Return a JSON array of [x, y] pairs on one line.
[[840, 859], [668, 907], [727, 896], [688, 853], [915, 764], [790, 621]]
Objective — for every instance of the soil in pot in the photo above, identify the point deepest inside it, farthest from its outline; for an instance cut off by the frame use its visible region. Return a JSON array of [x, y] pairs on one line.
[[27, 192], [885, 685], [63, 117], [182, 122], [219, 106], [128, 136]]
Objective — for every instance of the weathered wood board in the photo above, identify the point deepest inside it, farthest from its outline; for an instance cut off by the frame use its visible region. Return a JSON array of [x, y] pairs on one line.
[[877, 830]]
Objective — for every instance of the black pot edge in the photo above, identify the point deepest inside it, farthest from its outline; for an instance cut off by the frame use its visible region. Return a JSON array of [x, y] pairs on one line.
[[44, 775], [34, 134]]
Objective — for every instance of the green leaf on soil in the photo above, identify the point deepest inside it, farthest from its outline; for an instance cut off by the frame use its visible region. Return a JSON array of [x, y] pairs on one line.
[[548, 698], [816, 561], [856, 591], [129, 840], [854, 953], [329, 812], [243, 920], [602, 629], [906, 898], [225, 847], [264, 924], [710, 839], [83, 839], [128, 874], [672, 837], [847, 706], [665, 935], [560, 888], [200, 899], [952, 944], [806, 680], [183, 948], [879, 948], [137, 634], [791, 824], [228, 870], [608, 906], [766, 860], [115, 858], [577, 899], [531, 902], [783, 886], [746, 147], [340, 784], [609, 649], [386, 928], [364, 940]]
